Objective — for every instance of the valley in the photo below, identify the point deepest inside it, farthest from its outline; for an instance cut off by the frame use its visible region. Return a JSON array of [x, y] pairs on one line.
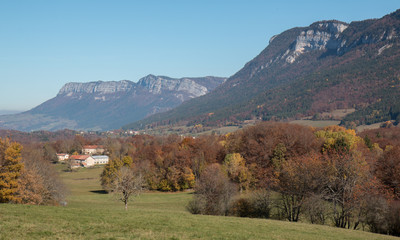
[[300, 140], [90, 214]]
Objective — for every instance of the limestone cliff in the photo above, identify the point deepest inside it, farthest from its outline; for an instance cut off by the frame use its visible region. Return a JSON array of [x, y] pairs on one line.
[[305, 71], [183, 88], [109, 105]]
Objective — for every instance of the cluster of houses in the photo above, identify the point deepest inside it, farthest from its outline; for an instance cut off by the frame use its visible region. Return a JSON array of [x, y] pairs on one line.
[[91, 155]]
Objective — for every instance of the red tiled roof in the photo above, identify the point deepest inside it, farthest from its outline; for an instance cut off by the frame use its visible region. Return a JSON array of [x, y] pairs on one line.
[[79, 157]]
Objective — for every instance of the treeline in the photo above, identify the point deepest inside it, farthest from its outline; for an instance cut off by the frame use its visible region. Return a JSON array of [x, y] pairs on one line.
[[284, 171], [26, 177], [27, 170], [324, 176], [170, 163], [271, 170]]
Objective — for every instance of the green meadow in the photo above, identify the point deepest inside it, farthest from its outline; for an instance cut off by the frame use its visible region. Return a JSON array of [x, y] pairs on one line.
[[92, 214]]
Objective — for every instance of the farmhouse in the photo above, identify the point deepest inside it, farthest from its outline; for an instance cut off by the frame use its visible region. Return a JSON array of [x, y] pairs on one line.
[[62, 156], [93, 149], [100, 159], [81, 161]]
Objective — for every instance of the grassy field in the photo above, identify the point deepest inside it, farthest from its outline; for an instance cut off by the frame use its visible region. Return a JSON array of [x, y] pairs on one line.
[[368, 127], [91, 214], [317, 124]]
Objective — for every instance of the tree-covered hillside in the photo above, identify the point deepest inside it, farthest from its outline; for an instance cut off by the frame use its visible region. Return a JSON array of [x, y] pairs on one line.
[[305, 71]]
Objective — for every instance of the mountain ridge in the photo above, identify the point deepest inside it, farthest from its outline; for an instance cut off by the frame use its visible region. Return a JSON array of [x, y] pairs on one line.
[[105, 105], [303, 71]]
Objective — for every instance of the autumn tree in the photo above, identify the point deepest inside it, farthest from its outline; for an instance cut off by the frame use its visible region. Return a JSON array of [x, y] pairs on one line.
[[10, 170], [338, 139], [128, 183], [388, 169], [267, 144], [31, 188], [345, 173], [235, 166], [49, 153], [40, 182], [298, 178], [109, 174], [278, 156], [173, 163]]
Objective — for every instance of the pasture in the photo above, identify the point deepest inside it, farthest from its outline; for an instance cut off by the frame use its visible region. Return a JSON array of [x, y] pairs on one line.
[[92, 214]]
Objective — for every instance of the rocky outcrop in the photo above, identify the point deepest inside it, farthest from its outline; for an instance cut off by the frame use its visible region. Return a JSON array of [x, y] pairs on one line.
[[334, 36], [184, 88], [97, 87], [160, 84], [321, 36]]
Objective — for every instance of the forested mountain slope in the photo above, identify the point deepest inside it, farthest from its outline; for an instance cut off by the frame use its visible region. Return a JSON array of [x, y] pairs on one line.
[[304, 71]]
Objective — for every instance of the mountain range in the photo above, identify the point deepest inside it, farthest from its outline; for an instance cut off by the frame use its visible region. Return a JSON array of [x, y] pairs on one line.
[[303, 72], [108, 105]]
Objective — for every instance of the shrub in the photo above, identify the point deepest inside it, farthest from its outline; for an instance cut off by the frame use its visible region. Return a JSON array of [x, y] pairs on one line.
[[196, 206], [242, 207], [257, 205], [261, 204]]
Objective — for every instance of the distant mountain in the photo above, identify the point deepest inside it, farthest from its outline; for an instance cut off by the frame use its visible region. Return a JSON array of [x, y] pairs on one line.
[[305, 71], [109, 105]]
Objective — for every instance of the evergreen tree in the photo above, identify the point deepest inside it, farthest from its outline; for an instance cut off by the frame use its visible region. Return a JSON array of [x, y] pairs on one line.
[[10, 170]]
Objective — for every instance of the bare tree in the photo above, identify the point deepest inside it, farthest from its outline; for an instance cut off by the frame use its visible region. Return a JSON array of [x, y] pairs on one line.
[[346, 174], [41, 172], [316, 208], [214, 192], [128, 183]]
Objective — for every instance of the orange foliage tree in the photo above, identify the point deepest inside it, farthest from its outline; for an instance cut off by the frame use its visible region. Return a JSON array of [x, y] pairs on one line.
[[297, 179], [10, 170]]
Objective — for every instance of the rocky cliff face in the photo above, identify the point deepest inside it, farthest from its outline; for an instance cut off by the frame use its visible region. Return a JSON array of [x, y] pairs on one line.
[[97, 87], [158, 85], [109, 105], [288, 46], [321, 36], [307, 70]]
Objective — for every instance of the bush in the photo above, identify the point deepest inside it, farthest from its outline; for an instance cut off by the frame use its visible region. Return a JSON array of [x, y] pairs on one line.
[[242, 207], [261, 203], [257, 205], [196, 206]]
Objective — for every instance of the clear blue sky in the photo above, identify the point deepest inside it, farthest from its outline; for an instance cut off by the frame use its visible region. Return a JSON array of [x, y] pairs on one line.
[[45, 44]]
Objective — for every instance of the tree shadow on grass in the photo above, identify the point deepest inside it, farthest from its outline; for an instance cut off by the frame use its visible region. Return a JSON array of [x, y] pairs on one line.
[[99, 191]]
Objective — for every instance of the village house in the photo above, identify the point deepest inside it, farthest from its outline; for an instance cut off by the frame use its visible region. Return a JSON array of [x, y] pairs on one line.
[[62, 156], [92, 149], [100, 159], [81, 161]]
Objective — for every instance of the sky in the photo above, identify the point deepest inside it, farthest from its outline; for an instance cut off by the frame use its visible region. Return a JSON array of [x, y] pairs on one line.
[[45, 44]]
